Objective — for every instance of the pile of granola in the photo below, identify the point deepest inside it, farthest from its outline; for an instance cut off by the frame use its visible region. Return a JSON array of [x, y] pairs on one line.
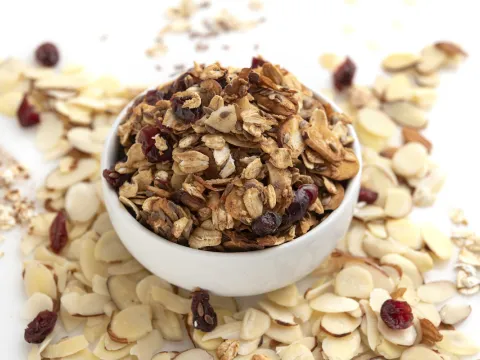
[[229, 159]]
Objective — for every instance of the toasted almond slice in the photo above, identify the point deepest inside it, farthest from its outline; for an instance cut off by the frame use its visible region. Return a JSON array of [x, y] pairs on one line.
[[171, 301], [380, 278], [406, 114], [83, 170], [36, 303], [65, 347], [147, 346], [342, 348], [429, 312], [49, 131], [84, 305], [437, 241], [340, 323], [296, 352], [406, 265], [101, 352], [377, 298], [399, 88], [399, 61], [409, 159], [109, 248], [122, 291], [278, 313], [355, 239], [144, 287], [404, 337], [437, 291], [369, 213], [453, 314], [431, 60], [420, 352], [167, 322], [376, 122], [255, 323], [321, 289], [405, 232], [457, 343], [398, 203], [225, 331], [38, 279], [197, 338], [331, 303], [285, 334], [354, 281], [131, 324], [81, 202], [287, 296], [125, 268]]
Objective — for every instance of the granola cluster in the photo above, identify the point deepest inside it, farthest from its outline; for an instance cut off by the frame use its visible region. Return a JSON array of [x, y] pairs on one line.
[[229, 159]]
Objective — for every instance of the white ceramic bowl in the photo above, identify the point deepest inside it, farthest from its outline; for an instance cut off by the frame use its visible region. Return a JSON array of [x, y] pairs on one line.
[[228, 274]]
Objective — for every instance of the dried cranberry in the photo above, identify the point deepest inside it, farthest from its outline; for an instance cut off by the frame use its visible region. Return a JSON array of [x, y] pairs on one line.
[[178, 85], [204, 317], [152, 96], [367, 195], [266, 224], [114, 178], [47, 54], [58, 233], [343, 75], [146, 137], [257, 62], [396, 314], [26, 113], [186, 114], [304, 197], [40, 327]]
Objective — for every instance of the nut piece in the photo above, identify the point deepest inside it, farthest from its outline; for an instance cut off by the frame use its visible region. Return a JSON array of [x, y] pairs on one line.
[[228, 350], [399, 61]]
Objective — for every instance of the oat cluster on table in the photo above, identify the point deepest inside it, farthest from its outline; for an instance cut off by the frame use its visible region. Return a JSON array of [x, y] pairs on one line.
[[229, 159]]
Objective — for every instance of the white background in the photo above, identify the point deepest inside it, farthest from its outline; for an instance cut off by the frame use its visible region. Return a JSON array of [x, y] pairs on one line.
[[294, 35]]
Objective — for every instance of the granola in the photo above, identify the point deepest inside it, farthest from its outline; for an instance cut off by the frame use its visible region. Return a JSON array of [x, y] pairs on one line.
[[251, 151]]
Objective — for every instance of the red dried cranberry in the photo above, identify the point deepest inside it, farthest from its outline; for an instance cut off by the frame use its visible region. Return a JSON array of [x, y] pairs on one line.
[[26, 113], [304, 197], [204, 317], [186, 114], [396, 314], [58, 233], [257, 62], [114, 178], [152, 96], [146, 137], [47, 54], [267, 224], [40, 327], [367, 195], [343, 75]]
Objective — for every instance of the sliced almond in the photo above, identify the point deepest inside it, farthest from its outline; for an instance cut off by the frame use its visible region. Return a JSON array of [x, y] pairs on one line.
[[102, 224], [260, 354], [398, 203], [171, 301], [399, 88], [405, 232], [406, 114], [354, 239], [81, 202], [432, 58], [453, 314], [340, 323], [247, 347], [437, 291], [376, 122], [89, 265], [377, 248], [378, 178], [49, 132], [342, 348], [457, 343], [389, 350], [377, 229], [309, 342], [255, 323], [399, 61], [197, 338], [404, 337], [429, 312], [225, 331], [330, 303], [420, 352], [84, 304], [35, 304], [278, 313], [410, 159], [377, 298], [131, 324], [369, 213], [109, 248], [321, 289], [83, 170], [84, 140], [147, 346], [95, 327], [144, 287], [296, 352], [284, 334], [422, 260], [122, 291], [406, 265], [65, 347], [38, 279], [101, 352], [379, 277], [168, 323], [354, 281], [437, 241], [287, 296]]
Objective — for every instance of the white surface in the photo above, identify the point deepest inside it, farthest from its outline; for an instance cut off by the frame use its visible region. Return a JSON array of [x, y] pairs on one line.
[[295, 34]]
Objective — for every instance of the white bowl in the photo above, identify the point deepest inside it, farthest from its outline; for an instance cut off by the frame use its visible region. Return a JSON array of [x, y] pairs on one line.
[[228, 274]]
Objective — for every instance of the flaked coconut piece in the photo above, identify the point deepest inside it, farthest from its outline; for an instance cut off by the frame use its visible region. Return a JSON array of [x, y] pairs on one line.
[[62, 180], [278, 313], [254, 324], [340, 324], [122, 291], [296, 352], [406, 265], [405, 232], [398, 202], [225, 331], [354, 282], [420, 352], [331, 303], [84, 304], [404, 337], [453, 314], [410, 159], [131, 324], [39, 279], [81, 202], [287, 296], [342, 348], [147, 346], [285, 334], [406, 114], [144, 287], [437, 241], [399, 61], [101, 352], [437, 291], [35, 304], [110, 249], [65, 347], [171, 301], [457, 343]]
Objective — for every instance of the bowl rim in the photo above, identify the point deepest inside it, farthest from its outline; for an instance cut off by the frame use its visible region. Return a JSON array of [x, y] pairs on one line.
[[109, 193]]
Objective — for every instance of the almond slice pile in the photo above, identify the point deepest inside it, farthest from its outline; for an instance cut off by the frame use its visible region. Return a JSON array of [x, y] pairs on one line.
[[77, 269]]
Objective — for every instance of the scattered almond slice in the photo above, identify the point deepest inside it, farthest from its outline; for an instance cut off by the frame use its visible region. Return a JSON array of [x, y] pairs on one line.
[[287, 296], [437, 291], [284, 334], [296, 352], [278, 313], [171, 301], [110, 249], [84, 304], [121, 289], [453, 314], [340, 324], [39, 279], [225, 331], [145, 286], [399, 88], [330, 303], [420, 352], [65, 347], [405, 232], [254, 324], [354, 282], [376, 122], [431, 59], [342, 348], [406, 114], [457, 343], [131, 324], [398, 202], [399, 61], [147, 346], [83, 169], [81, 202], [405, 337], [377, 298], [409, 159], [102, 353], [35, 304], [437, 241]]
